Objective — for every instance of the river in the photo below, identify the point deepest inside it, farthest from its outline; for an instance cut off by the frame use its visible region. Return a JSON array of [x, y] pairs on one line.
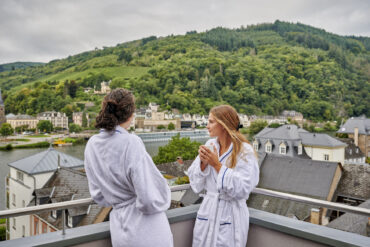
[[76, 151]]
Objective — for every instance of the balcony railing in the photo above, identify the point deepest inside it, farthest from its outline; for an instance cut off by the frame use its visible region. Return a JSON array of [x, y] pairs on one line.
[[88, 201], [187, 216]]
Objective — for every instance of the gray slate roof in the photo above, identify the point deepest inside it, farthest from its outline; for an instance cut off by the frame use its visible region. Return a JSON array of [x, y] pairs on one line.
[[285, 132], [305, 177], [316, 139], [70, 183], [352, 222], [295, 176], [280, 206], [351, 151], [46, 161], [362, 123], [174, 168], [355, 181]]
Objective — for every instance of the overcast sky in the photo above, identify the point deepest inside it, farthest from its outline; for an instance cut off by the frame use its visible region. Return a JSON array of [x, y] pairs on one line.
[[43, 30]]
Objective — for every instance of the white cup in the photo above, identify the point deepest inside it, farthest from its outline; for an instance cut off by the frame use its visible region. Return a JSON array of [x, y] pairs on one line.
[[210, 147]]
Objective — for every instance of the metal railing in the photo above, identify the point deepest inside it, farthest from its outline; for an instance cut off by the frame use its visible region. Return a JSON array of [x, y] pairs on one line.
[[281, 195]]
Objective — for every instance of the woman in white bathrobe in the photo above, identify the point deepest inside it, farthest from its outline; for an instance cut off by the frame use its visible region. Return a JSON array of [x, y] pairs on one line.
[[121, 174], [227, 169]]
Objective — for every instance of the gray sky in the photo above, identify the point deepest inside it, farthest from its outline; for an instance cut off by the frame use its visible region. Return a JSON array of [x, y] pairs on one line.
[[43, 30]]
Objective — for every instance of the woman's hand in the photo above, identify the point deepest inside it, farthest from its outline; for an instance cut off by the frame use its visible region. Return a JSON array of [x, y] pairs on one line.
[[209, 157]]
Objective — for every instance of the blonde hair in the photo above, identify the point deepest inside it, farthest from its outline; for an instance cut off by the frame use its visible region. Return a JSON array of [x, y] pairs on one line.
[[228, 117]]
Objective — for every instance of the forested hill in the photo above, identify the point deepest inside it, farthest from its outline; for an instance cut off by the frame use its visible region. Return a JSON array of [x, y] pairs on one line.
[[18, 65], [260, 69]]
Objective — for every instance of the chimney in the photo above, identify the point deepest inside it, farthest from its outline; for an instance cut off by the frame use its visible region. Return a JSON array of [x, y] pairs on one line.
[[179, 160], [316, 216], [355, 136]]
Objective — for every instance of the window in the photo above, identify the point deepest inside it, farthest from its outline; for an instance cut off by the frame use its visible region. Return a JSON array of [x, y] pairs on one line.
[[54, 214], [300, 149], [268, 148], [23, 204], [70, 221], [13, 199], [20, 176], [326, 156], [282, 150], [14, 224], [44, 227], [23, 231], [255, 146]]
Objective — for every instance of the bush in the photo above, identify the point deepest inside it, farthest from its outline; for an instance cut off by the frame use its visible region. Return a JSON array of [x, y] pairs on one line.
[[2, 233], [182, 180], [177, 147]]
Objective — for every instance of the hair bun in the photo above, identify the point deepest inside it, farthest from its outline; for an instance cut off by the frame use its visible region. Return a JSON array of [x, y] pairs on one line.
[[111, 107]]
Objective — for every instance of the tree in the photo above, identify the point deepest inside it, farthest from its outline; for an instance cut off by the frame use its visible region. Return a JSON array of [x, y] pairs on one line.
[[84, 119], [74, 128], [183, 147], [161, 127], [171, 126], [6, 129], [45, 126], [256, 127]]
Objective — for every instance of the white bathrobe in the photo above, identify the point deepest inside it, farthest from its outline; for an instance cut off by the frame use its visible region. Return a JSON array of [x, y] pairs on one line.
[[121, 174], [223, 216]]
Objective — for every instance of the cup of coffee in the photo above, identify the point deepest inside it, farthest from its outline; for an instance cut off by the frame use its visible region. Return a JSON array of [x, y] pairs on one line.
[[210, 147]]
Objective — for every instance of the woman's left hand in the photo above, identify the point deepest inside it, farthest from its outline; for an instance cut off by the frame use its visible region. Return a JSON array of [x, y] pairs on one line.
[[210, 157]]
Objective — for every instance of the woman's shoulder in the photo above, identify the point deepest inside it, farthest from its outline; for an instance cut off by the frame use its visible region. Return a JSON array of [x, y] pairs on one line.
[[247, 149]]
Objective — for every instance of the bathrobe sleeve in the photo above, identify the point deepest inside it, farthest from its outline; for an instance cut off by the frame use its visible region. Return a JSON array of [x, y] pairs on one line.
[[198, 177], [95, 191], [153, 194], [239, 182]]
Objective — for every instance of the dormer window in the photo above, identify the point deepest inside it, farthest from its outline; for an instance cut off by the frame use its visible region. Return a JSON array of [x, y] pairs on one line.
[[54, 214], [268, 148], [282, 148], [70, 221], [300, 149], [255, 146]]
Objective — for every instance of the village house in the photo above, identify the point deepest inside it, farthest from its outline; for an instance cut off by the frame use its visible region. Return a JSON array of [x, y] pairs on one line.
[[298, 176], [293, 115], [27, 175], [57, 119], [358, 129], [77, 118], [66, 184], [289, 140], [22, 120]]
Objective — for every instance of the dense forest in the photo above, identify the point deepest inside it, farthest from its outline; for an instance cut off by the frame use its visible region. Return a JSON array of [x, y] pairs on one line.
[[259, 69]]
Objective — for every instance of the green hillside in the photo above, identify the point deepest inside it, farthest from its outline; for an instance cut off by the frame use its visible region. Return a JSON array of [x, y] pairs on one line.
[[18, 65], [259, 69]]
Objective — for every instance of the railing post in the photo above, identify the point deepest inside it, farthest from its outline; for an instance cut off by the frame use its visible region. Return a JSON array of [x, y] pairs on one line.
[[64, 222]]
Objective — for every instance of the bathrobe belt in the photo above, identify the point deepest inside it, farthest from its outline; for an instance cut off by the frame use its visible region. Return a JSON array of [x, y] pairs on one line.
[[125, 203]]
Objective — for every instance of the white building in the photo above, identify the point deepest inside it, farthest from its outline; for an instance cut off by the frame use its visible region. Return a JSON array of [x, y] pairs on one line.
[[57, 119], [22, 120], [292, 141], [25, 176]]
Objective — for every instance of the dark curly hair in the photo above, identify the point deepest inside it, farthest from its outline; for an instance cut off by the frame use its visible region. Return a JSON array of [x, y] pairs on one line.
[[117, 107]]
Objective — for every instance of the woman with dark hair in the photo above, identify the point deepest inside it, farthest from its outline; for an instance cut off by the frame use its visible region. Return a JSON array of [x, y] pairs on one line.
[[121, 174], [227, 169]]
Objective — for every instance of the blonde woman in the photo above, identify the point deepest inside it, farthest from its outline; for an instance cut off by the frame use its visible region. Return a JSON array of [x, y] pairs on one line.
[[227, 169]]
